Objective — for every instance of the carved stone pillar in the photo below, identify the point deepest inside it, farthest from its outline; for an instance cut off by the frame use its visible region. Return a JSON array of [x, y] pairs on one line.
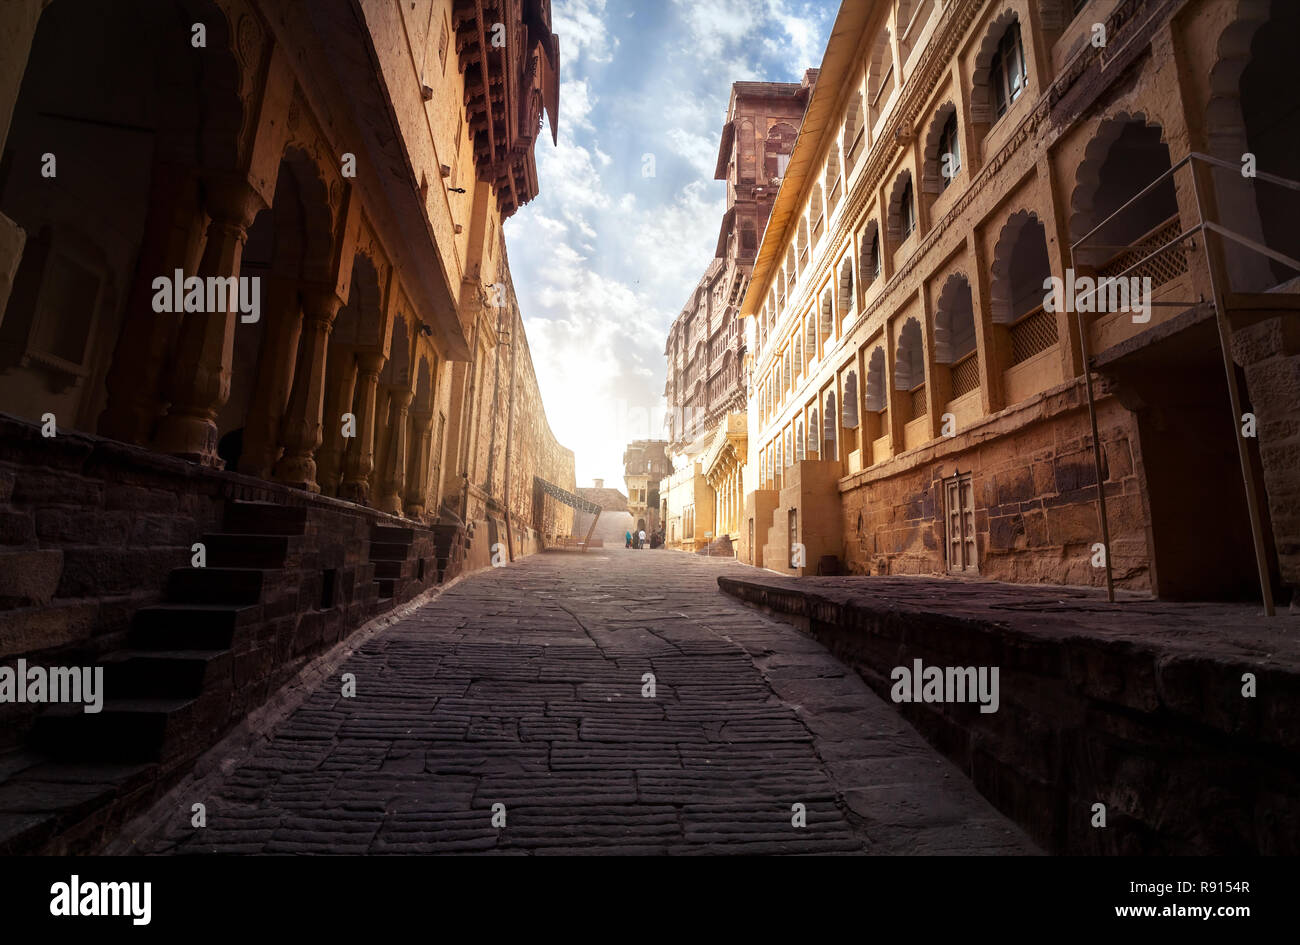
[[341, 378], [172, 239], [275, 369], [200, 382], [361, 453], [394, 478], [417, 476], [300, 431]]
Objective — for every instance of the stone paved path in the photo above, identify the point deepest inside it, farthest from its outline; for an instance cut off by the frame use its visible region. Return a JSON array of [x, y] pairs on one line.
[[522, 686]]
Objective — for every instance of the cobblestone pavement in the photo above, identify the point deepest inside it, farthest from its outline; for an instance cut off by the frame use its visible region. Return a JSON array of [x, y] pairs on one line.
[[522, 686]]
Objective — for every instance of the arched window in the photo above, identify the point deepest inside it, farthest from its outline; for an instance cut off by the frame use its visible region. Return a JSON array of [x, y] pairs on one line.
[[949, 151], [954, 335], [832, 179], [810, 336], [799, 453], [812, 447], [776, 150], [1020, 267], [1007, 73], [855, 133], [909, 367], [869, 254], [846, 285], [880, 75], [902, 210], [826, 328], [829, 430], [850, 418]]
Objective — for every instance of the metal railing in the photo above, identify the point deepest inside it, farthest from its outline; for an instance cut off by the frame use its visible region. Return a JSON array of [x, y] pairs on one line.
[[1214, 265]]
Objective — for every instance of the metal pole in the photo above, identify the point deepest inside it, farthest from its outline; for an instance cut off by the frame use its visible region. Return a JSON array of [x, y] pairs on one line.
[[1096, 448], [1212, 261]]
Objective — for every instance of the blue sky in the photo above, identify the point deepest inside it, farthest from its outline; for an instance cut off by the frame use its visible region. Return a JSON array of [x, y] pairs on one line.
[[605, 258]]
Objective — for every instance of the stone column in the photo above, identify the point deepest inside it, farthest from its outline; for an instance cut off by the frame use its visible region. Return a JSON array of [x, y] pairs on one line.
[[200, 383], [417, 476], [275, 370], [394, 478], [300, 432], [341, 383], [172, 239], [361, 453]]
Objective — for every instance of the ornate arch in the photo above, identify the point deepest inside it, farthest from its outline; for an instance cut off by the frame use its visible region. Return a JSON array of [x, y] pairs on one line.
[[850, 411], [877, 380], [846, 284], [931, 171], [896, 205], [909, 363], [879, 63], [1001, 303], [981, 99], [867, 258], [949, 335]]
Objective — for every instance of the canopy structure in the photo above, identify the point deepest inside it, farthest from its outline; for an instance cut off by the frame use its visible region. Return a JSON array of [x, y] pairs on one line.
[[542, 488]]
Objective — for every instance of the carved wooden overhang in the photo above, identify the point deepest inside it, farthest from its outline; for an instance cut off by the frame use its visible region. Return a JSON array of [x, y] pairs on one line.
[[511, 62]]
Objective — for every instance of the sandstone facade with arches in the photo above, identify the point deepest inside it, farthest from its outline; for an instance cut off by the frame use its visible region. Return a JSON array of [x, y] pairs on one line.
[[997, 135]]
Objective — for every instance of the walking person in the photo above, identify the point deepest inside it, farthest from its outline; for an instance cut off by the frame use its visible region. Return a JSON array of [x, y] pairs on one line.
[[627, 539], [641, 538]]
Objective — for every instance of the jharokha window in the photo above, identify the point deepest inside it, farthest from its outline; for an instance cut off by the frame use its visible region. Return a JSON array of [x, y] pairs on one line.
[[1007, 73]]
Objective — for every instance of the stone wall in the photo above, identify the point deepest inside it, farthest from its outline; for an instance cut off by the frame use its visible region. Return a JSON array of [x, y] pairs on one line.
[[509, 443], [1034, 482]]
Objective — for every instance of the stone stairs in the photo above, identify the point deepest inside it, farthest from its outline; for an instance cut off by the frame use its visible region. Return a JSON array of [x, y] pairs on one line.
[[390, 552], [175, 681], [450, 543]]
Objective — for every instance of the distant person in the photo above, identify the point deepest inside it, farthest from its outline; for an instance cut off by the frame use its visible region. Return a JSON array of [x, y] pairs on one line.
[[627, 536], [641, 538]]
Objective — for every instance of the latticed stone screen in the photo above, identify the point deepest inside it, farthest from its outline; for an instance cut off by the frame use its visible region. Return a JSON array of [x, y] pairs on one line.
[[918, 402], [1034, 333], [966, 375], [1169, 265]]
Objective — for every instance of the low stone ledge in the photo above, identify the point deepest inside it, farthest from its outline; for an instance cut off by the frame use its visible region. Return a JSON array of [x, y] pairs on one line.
[[1137, 705]]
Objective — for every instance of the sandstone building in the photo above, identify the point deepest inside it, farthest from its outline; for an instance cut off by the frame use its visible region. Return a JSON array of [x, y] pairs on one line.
[[705, 347], [205, 498], [706, 383], [645, 463], [922, 405]]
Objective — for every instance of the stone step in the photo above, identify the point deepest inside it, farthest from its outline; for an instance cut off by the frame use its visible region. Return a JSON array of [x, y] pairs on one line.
[[126, 729], [263, 518], [217, 585], [388, 551], [200, 626], [396, 569], [135, 674], [392, 534], [240, 550]]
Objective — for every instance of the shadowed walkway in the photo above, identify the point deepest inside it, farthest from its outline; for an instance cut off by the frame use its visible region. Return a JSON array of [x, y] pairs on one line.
[[522, 686]]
